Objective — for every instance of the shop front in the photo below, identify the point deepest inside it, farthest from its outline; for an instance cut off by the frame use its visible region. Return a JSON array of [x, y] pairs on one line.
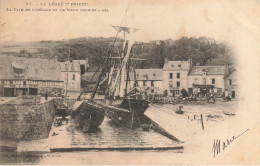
[[202, 90]]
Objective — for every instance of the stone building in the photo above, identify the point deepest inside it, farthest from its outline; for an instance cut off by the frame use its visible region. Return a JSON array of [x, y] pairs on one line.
[[84, 64], [71, 75], [232, 83], [175, 76], [150, 80], [203, 79], [29, 76]]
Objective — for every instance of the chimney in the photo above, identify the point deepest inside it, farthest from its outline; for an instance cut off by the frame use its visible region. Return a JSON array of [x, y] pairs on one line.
[[166, 60], [227, 68], [86, 63], [56, 58], [190, 62]]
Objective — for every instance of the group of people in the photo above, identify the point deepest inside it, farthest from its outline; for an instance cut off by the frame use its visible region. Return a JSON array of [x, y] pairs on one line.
[[171, 100]]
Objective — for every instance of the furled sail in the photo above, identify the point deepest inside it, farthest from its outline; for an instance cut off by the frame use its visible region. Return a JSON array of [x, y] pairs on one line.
[[125, 29], [118, 85]]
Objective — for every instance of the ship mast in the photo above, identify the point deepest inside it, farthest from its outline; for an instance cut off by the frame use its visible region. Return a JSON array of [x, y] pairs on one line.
[[104, 63]]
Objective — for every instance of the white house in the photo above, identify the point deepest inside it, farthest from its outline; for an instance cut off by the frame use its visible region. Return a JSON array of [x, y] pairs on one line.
[[232, 83], [175, 76], [150, 80], [71, 75], [203, 79]]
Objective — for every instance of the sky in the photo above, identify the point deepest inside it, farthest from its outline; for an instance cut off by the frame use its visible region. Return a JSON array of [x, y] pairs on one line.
[[157, 20]]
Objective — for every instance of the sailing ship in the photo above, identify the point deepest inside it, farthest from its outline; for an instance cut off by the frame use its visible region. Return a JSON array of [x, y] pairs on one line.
[[124, 102], [124, 94]]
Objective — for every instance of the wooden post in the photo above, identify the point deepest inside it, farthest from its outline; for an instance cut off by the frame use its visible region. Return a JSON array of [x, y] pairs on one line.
[[202, 121], [132, 118]]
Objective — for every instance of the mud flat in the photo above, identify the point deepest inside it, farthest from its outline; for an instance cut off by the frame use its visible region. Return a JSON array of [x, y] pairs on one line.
[[109, 136]]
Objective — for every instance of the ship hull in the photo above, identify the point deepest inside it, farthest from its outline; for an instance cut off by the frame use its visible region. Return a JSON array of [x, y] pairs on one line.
[[88, 116], [131, 116]]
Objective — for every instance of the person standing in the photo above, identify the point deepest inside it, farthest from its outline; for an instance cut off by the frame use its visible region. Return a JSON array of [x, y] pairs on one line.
[[46, 95]]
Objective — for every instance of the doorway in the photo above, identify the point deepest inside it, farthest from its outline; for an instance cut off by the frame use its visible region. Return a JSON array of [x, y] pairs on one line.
[[33, 91]]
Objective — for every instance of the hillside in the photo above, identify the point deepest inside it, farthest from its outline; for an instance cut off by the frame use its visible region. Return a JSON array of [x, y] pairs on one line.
[[204, 51]]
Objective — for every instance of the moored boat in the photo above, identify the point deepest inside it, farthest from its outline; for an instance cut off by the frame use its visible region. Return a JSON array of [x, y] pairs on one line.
[[88, 115]]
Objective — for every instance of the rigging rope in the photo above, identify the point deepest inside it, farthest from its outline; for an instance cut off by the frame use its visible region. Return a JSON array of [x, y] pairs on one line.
[[110, 51]]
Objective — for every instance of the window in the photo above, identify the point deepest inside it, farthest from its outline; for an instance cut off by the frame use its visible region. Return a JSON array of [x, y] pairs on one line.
[[195, 81], [144, 83], [170, 84], [179, 65], [229, 82], [213, 80], [165, 92], [145, 76], [152, 90], [178, 83], [73, 77], [204, 73], [170, 76], [152, 83], [204, 81], [178, 75]]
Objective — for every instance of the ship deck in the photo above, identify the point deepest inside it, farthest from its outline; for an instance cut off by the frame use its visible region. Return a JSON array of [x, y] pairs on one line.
[[108, 136]]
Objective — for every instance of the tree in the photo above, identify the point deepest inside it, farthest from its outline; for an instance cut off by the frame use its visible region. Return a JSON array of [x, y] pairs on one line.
[[184, 93]]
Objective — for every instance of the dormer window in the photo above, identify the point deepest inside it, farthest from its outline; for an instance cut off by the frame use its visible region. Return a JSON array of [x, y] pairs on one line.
[[19, 69], [204, 72], [179, 65], [18, 72], [154, 74]]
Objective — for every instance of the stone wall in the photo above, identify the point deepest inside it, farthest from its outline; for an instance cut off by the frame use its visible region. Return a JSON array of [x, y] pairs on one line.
[[25, 118]]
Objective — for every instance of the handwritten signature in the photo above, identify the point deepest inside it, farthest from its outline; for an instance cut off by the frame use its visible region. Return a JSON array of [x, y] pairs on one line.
[[218, 144]]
